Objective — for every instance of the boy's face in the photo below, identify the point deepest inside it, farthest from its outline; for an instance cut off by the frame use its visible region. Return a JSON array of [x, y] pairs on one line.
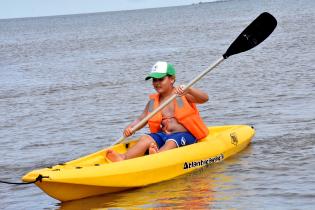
[[164, 84]]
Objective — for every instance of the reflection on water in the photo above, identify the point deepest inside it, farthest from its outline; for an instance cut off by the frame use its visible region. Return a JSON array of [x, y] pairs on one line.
[[202, 189], [186, 192]]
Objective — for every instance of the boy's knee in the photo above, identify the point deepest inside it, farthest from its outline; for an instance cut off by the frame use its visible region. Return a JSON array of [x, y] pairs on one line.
[[171, 144], [146, 140]]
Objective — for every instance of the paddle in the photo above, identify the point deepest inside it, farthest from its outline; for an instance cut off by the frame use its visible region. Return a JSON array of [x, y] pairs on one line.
[[252, 36]]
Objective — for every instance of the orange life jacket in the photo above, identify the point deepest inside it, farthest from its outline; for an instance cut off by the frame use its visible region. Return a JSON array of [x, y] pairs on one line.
[[185, 113]]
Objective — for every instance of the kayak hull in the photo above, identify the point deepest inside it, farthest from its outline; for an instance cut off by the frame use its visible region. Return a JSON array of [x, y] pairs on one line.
[[94, 175], [68, 192]]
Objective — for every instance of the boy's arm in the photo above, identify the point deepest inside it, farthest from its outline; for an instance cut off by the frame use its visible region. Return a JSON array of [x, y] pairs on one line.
[[193, 95], [128, 129]]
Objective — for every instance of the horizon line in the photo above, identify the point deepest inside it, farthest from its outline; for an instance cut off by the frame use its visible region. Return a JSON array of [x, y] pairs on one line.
[[109, 11]]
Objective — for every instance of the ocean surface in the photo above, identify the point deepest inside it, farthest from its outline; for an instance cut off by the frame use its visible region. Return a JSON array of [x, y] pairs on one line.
[[70, 84]]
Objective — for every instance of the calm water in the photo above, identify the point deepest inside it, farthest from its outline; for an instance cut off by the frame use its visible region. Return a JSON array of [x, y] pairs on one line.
[[70, 84]]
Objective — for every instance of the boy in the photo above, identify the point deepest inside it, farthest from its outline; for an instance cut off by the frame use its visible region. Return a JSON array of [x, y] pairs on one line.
[[178, 124]]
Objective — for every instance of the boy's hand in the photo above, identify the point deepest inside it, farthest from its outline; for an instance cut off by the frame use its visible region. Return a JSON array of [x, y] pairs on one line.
[[128, 131], [179, 90]]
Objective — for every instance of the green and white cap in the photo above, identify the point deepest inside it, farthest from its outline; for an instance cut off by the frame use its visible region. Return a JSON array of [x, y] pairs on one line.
[[160, 70]]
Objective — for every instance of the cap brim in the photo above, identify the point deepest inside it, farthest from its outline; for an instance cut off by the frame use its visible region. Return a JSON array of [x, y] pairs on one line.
[[156, 76]]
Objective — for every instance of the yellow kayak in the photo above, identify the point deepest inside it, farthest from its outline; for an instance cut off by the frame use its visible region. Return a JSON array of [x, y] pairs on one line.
[[94, 175]]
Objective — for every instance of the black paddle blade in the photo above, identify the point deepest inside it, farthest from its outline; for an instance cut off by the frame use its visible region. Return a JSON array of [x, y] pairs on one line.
[[253, 35]]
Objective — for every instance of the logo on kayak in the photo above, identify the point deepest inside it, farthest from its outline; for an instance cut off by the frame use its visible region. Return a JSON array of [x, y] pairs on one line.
[[234, 139], [194, 164]]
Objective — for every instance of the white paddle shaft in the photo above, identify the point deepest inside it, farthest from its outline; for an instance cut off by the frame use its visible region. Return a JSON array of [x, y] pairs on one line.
[[170, 99]]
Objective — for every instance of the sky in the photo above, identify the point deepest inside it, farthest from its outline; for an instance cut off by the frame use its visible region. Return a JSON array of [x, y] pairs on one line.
[[35, 8]]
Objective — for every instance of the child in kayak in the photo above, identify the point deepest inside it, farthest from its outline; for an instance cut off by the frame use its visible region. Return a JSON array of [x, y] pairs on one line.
[[178, 124]]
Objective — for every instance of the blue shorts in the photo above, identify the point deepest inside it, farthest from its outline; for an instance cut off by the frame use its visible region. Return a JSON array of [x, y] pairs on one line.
[[180, 138]]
